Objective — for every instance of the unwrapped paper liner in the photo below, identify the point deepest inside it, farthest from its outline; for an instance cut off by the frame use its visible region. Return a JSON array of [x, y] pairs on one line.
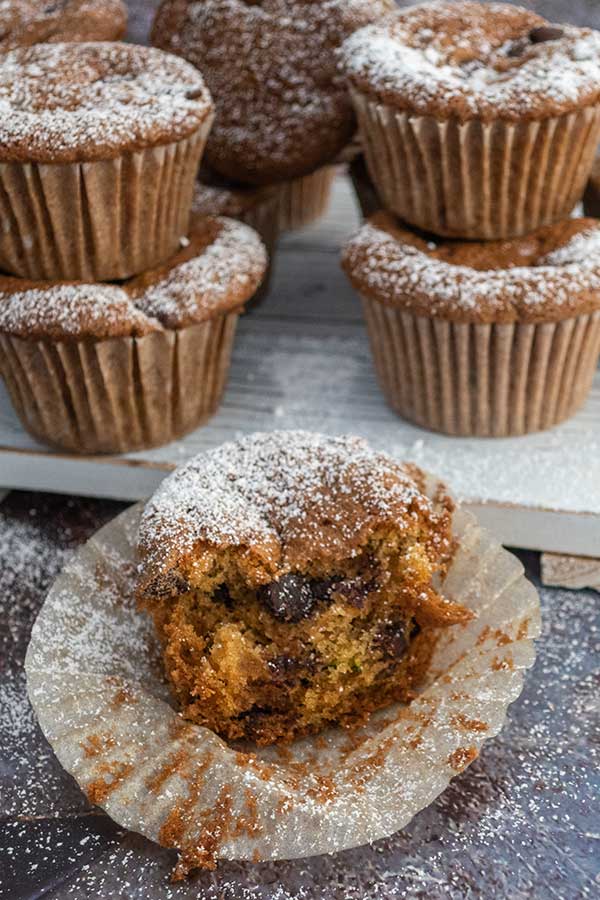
[[94, 680], [476, 179]]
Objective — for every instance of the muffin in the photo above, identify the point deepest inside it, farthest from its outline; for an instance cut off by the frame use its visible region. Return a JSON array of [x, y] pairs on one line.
[[106, 368], [282, 109], [490, 339], [478, 120], [289, 577], [99, 149], [26, 22]]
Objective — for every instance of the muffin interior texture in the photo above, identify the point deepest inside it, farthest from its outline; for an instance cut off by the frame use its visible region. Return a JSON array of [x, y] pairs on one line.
[[271, 647]]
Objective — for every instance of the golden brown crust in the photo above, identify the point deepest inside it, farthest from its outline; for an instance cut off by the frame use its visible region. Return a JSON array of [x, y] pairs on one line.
[[281, 107], [217, 271], [27, 22], [549, 275], [80, 102], [469, 60]]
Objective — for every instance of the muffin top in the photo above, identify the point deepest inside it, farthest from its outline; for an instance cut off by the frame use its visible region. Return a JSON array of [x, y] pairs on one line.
[[548, 275], [83, 102], [475, 60], [282, 109], [26, 22], [220, 268], [285, 500]]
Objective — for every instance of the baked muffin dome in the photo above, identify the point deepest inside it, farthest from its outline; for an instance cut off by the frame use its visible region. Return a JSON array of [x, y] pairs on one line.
[[469, 60], [220, 268], [289, 579], [26, 22], [546, 276], [281, 106], [95, 101]]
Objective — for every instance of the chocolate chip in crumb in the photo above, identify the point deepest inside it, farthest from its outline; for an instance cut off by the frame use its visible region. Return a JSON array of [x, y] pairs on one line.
[[222, 595], [544, 33], [392, 640], [289, 599], [322, 588], [355, 590]]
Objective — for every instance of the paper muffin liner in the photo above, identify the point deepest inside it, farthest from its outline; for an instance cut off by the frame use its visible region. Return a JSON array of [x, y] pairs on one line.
[[97, 221], [482, 380], [94, 680], [121, 394], [301, 201], [475, 179]]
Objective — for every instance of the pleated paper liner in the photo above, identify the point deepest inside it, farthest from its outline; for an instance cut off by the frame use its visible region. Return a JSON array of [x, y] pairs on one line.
[[482, 380], [122, 394], [477, 180], [302, 201], [94, 680], [264, 218], [97, 221]]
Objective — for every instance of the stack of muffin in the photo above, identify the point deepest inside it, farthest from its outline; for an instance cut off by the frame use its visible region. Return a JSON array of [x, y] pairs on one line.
[[479, 124], [117, 317]]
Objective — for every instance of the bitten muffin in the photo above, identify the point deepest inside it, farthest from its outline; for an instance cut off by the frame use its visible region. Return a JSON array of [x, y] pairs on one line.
[[106, 368], [479, 120], [282, 109], [486, 338], [289, 577], [99, 149], [26, 22]]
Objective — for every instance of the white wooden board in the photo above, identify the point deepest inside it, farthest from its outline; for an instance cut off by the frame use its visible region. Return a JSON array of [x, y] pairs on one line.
[[302, 361]]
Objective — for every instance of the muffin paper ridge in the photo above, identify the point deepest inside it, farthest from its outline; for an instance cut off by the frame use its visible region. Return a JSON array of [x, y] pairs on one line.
[[480, 379], [97, 221], [121, 394], [95, 683], [477, 180]]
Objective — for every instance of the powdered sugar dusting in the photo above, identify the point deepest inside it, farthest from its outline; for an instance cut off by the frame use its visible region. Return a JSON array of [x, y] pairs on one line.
[[453, 59], [281, 106], [269, 489], [564, 283], [222, 276], [89, 101]]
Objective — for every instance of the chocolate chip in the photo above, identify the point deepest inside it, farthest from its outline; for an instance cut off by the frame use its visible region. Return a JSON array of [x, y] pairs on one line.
[[196, 94], [355, 590], [517, 49], [289, 599], [322, 588], [392, 640], [222, 595], [544, 33]]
